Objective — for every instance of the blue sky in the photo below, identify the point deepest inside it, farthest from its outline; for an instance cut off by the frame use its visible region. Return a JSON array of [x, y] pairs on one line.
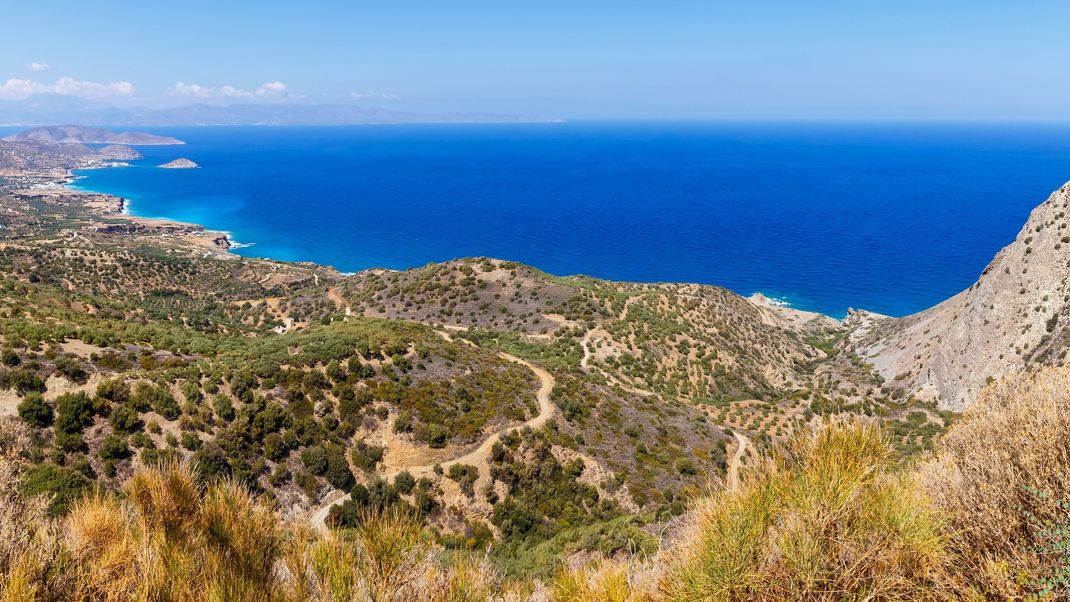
[[574, 59]]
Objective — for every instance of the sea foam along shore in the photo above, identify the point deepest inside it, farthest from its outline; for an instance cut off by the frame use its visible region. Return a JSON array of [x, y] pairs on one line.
[[216, 240]]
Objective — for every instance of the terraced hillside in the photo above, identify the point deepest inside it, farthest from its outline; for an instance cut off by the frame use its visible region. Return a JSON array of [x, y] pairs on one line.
[[683, 341]]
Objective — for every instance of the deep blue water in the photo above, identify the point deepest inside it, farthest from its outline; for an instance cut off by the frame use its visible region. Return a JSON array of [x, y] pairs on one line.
[[892, 218]]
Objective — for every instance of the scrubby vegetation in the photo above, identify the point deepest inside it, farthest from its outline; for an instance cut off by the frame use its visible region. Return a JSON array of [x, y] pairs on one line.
[[831, 518], [1003, 477], [183, 424], [169, 538]]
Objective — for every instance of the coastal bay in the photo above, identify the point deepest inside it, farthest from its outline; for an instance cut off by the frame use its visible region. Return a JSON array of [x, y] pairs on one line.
[[892, 218]]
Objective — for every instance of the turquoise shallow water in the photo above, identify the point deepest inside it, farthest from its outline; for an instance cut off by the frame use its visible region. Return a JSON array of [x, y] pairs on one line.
[[893, 218]]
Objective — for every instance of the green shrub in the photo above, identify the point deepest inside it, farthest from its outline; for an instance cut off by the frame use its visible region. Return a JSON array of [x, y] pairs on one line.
[[315, 460], [22, 380], [191, 441], [74, 412], [465, 475], [113, 448], [223, 407], [35, 411], [70, 368], [210, 463], [124, 419], [367, 457], [60, 485], [114, 390], [404, 482], [337, 471]]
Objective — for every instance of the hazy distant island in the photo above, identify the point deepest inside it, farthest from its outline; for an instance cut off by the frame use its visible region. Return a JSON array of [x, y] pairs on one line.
[[180, 163], [74, 134], [45, 109]]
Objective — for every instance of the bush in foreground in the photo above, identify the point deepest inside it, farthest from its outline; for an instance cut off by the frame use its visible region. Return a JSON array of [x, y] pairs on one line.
[[831, 520], [170, 539], [1002, 476]]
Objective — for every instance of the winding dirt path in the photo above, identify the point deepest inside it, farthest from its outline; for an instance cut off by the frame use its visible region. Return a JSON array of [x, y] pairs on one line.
[[54, 387], [339, 301], [737, 460], [586, 345], [478, 457]]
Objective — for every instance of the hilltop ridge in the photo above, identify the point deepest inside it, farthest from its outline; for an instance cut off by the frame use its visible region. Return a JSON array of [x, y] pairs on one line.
[[76, 134]]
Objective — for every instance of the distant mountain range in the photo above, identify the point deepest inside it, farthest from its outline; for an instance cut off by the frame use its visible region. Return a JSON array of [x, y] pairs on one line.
[[51, 108], [74, 134]]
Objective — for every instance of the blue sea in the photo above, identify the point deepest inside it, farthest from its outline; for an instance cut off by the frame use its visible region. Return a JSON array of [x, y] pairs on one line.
[[889, 217]]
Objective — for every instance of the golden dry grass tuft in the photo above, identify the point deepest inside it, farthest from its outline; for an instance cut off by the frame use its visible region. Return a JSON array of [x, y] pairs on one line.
[[831, 521], [1013, 443], [387, 558], [607, 581], [30, 542], [170, 539]]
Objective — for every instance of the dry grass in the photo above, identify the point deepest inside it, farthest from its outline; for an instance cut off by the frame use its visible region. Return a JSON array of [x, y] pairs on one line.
[[170, 539], [832, 522], [1016, 437], [607, 581], [386, 559], [29, 541]]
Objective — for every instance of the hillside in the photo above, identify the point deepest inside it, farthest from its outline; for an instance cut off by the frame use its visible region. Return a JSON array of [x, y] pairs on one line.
[[20, 159], [1015, 315], [74, 134], [684, 341], [127, 341], [549, 419]]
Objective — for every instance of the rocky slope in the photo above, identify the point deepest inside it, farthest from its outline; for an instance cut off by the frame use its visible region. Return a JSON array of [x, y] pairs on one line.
[[46, 158], [1015, 315]]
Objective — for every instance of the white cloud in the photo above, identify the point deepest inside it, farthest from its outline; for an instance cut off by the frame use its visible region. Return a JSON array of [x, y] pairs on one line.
[[275, 88], [235, 92], [38, 66], [374, 95], [19, 89], [195, 90]]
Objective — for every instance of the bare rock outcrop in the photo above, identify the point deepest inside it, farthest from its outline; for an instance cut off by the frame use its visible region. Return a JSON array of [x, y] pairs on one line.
[[1015, 315]]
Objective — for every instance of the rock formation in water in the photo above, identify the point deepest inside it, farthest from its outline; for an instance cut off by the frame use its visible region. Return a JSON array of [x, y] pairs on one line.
[[182, 163]]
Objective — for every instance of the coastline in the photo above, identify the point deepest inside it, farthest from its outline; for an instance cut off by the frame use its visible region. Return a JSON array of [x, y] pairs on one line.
[[116, 206], [222, 242]]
